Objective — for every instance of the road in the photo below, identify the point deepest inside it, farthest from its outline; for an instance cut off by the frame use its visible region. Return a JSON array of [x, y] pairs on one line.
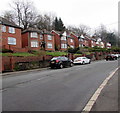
[[67, 89]]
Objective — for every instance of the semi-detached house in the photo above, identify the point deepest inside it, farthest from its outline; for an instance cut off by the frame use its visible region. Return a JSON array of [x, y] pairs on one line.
[[36, 39], [10, 35], [63, 40]]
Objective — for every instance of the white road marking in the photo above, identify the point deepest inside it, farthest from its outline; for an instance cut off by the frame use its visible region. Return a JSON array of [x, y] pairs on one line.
[[93, 99]]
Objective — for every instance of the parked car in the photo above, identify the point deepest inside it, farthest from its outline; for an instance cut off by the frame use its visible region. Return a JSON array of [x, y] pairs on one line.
[[111, 57], [82, 60], [117, 55], [60, 62]]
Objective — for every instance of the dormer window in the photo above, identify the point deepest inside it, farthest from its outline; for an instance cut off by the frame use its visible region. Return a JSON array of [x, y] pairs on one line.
[[71, 40], [63, 38]]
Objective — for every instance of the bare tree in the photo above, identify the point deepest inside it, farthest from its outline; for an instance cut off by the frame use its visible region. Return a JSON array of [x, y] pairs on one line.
[[25, 13], [82, 29], [45, 21], [101, 32]]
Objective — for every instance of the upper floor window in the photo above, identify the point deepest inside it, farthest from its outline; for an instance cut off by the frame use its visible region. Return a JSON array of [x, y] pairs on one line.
[[49, 37], [63, 38], [11, 41], [41, 36], [34, 35], [81, 39], [11, 30], [3, 28], [71, 40]]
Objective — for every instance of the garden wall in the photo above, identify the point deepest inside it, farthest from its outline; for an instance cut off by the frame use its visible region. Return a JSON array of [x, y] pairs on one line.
[[12, 63]]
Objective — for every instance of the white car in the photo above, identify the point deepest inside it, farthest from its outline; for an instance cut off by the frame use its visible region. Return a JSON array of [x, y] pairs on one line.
[[82, 60]]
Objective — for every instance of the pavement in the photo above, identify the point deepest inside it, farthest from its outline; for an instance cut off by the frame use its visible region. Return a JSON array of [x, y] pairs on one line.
[[108, 98]]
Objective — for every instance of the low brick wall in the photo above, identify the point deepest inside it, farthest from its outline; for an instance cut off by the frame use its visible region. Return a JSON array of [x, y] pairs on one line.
[[22, 63]]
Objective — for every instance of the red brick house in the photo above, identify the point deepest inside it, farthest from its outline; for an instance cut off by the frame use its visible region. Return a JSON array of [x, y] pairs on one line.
[[36, 39], [92, 42], [84, 41], [10, 35], [76, 40], [63, 40]]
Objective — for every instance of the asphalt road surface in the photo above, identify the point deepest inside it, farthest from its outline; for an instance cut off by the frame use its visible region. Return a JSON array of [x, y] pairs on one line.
[[67, 89]]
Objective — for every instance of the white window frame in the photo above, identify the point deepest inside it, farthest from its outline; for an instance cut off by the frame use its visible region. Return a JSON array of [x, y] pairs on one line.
[[33, 35], [41, 36], [34, 43], [49, 45], [11, 41], [71, 40], [11, 30], [49, 37], [63, 38], [3, 28], [64, 46]]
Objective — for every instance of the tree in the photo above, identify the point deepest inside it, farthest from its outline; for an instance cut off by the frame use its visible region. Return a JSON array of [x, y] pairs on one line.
[[82, 29], [58, 24], [45, 21], [24, 12], [9, 16]]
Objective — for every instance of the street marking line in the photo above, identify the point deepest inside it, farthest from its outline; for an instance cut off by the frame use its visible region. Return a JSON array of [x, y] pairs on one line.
[[93, 99]]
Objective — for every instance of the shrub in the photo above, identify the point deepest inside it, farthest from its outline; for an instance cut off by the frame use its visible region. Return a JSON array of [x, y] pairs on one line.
[[6, 51]]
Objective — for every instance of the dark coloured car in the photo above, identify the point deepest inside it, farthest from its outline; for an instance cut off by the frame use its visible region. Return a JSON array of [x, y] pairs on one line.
[[111, 57], [60, 62]]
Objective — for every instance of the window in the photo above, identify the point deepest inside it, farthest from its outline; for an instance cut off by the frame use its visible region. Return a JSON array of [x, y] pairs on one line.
[[34, 35], [34, 43], [49, 37], [11, 41], [81, 39], [49, 45], [11, 30], [3, 28], [41, 36], [63, 38], [71, 40], [63, 45]]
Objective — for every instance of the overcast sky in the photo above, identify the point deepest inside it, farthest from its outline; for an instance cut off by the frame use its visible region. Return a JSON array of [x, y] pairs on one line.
[[76, 12]]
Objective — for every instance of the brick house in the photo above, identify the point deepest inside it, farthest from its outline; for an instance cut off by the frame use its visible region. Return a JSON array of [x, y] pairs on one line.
[[36, 39], [92, 42], [63, 40], [84, 41], [10, 35], [76, 40]]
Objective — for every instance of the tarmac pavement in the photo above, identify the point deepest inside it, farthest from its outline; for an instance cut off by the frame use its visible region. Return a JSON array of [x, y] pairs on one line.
[[108, 99]]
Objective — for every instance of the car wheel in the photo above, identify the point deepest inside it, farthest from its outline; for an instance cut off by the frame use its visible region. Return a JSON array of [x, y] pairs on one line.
[[52, 67], [61, 66], [83, 62], [71, 64]]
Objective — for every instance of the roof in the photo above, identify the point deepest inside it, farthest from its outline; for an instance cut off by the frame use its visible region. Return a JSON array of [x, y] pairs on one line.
[[6, 22], [31, 29]]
